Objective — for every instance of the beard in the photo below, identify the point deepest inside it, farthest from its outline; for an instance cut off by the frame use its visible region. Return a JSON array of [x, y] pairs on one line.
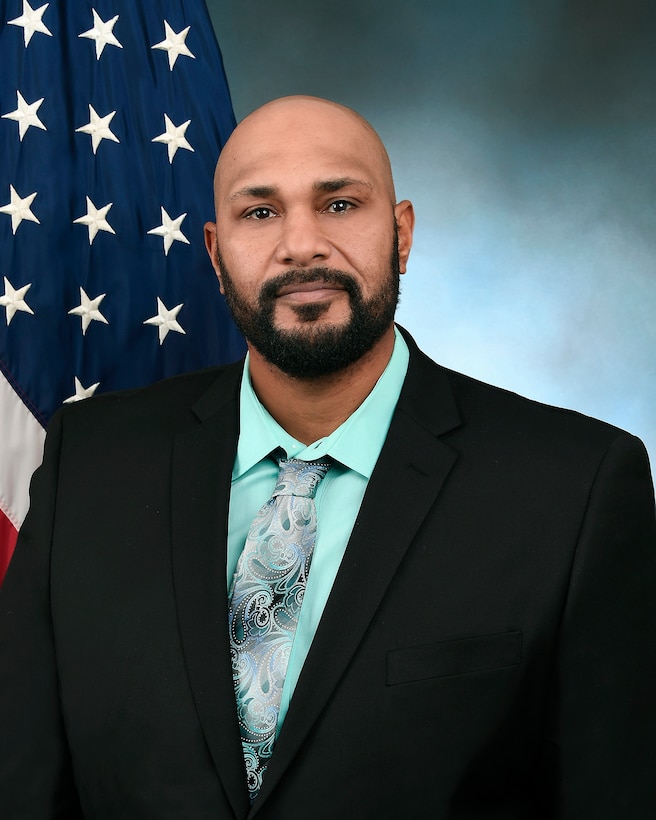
[[314, 350]]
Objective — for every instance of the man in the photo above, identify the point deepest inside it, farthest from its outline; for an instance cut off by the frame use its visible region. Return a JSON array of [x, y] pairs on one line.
[[477, 631]]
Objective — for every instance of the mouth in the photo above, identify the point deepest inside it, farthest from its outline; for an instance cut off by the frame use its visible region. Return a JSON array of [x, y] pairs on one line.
[[303, 292]]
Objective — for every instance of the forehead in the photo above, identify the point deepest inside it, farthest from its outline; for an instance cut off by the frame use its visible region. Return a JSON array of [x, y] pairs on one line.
[[299, 145]]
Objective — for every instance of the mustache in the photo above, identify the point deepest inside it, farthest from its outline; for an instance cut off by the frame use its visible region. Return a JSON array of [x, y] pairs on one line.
[[271, 289]]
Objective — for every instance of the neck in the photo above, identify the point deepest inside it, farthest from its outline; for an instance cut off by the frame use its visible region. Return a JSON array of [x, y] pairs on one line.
[[310, 409]]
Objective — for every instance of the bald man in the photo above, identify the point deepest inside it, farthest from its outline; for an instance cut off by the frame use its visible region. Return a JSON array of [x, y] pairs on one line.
[[469, 628]]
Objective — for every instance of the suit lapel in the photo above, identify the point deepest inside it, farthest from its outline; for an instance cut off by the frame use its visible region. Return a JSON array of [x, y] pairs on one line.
[[202, 466], [410, 472]]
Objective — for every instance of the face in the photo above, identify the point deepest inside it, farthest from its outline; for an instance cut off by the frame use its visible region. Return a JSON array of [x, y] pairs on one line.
[[308, 244]]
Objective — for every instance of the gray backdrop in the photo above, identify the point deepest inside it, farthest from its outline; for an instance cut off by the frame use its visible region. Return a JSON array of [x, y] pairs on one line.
[[525, 134]]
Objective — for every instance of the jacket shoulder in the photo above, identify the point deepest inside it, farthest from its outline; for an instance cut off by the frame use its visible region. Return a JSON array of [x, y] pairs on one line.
[[170, 400], [494, 419]]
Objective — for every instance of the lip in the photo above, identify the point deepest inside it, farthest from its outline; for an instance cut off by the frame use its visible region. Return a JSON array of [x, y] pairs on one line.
[[304, 287], [309, 291]]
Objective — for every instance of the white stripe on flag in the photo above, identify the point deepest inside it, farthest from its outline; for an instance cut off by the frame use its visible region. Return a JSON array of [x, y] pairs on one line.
[[21, 450]]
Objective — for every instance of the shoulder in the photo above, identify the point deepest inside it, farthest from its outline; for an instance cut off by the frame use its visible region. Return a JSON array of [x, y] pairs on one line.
[[169, 402], [503, 425]]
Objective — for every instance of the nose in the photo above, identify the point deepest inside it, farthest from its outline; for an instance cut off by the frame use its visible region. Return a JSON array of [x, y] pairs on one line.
[[302, 241]]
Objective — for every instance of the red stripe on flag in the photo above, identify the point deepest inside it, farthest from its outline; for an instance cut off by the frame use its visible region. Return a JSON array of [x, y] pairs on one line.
[[8, 535]]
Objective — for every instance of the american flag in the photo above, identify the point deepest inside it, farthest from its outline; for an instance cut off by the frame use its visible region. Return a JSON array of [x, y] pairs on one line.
[[112, 113]]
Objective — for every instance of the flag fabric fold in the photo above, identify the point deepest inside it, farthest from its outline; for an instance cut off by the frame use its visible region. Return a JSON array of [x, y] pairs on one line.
[[112, 114]]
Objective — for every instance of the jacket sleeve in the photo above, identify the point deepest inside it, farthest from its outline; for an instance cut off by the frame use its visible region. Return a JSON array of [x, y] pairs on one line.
[[602, 748], [35, 769]]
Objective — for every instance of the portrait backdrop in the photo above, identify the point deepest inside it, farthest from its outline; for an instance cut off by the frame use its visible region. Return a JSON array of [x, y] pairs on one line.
[[525, 134]]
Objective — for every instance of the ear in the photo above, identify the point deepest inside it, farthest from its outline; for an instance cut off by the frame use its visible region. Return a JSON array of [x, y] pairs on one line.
[[209, 231], [405, 223]]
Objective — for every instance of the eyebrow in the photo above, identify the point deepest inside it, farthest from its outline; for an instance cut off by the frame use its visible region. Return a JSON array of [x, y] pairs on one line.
[[255, 191], [326, 186], [329, 186]]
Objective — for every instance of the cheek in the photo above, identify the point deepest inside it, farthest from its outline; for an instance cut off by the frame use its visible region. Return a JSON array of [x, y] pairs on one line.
[[242, 264], [366, 245], [370, 258]]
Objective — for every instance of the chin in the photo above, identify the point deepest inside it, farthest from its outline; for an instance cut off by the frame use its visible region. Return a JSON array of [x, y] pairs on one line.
[[313, 314]]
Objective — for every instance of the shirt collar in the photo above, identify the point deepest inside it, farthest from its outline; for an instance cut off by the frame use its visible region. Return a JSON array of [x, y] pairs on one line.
[[356, 443]]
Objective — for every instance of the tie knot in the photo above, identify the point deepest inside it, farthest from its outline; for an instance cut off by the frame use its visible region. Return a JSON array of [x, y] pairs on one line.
[[300, 478]]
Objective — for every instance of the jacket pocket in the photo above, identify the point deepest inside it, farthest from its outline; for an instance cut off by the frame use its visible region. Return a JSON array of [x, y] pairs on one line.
[[458, 657]]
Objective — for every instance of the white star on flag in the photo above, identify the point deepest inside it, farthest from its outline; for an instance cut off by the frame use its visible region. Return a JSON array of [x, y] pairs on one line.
[[102, 33], [95, 220], [25, 115], [88, 310], [14, 299], [170, 231], [81, 392], [19, 209], [165, 320], [98, 128], [174, 44], [174, 137], [30, 21]]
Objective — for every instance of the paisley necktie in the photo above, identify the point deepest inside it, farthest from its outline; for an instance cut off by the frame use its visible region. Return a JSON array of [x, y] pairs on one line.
[[265, 602]]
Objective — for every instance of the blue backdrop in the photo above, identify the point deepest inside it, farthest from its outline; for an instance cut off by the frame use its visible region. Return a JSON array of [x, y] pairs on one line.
[[525, 134]]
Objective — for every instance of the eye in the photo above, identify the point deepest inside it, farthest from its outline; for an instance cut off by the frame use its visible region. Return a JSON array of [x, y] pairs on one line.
[[260, 213], [339, 206]]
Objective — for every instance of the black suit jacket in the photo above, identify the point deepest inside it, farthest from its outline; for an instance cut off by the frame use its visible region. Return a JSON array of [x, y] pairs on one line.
[[488, 649]]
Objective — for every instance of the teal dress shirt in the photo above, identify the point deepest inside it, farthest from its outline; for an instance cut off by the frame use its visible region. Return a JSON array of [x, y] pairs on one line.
[[355, 446]]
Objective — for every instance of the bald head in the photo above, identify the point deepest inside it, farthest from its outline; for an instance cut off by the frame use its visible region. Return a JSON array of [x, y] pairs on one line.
[[293, 129]]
